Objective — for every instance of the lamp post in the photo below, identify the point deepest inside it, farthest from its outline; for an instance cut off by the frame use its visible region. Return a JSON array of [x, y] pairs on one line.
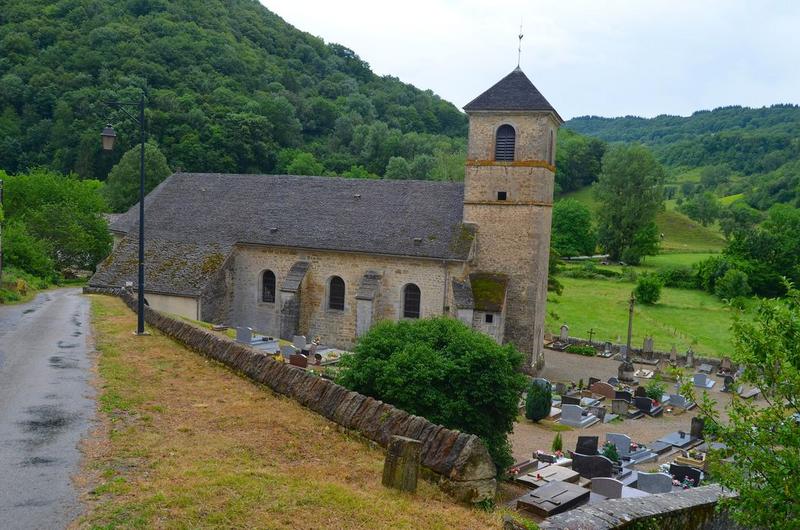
[[109, 136]]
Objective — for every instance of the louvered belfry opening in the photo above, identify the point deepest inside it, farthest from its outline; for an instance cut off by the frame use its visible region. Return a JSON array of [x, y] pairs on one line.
[[504, 143]]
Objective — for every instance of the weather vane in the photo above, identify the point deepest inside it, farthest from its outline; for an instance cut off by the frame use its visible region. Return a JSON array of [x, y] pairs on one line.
[[519, 48]]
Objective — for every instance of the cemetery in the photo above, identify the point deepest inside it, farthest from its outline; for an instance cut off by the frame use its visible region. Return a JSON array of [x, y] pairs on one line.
[[624, 431]]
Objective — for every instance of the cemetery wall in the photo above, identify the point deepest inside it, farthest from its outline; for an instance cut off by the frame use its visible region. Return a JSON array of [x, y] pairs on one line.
[[638, 352], [335, 327], [457, 461], [692, 509]]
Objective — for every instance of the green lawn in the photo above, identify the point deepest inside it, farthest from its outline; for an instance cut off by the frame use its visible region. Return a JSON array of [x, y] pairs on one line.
[[674, 259], [682, 317]]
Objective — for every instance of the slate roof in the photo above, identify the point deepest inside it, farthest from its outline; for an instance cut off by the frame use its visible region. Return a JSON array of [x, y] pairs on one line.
[[514, 92], [198, 215]]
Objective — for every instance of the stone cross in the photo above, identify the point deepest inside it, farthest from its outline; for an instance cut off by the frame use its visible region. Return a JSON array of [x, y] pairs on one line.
[[401, 467]]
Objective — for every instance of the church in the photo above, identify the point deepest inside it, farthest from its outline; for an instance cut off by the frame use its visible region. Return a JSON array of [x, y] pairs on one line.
[[329, 257]]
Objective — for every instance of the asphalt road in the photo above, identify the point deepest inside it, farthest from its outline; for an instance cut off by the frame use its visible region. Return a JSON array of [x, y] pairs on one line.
[[46, 406]]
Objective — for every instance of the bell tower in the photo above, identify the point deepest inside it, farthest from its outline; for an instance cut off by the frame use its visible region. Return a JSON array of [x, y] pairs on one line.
[[508, 194]]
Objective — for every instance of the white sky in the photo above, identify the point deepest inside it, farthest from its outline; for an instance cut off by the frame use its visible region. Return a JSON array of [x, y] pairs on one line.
[[601, 57]]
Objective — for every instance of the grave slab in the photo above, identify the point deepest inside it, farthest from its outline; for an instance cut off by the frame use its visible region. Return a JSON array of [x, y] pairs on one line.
[[553, 498], [678, 439]]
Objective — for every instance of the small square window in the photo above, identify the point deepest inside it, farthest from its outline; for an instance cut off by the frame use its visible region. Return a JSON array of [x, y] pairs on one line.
[[489, 318], [502, 195]]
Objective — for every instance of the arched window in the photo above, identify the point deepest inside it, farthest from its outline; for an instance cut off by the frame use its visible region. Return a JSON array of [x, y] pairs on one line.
[[268, 287], [504, 143], [551, 147], [336, 293], [411, 299]]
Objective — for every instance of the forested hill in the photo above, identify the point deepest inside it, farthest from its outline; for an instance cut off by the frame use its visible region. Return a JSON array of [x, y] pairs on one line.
[[755, 152], [231, 88]]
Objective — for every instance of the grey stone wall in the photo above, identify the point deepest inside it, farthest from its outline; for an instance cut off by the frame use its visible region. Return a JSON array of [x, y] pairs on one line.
[[460, 463]]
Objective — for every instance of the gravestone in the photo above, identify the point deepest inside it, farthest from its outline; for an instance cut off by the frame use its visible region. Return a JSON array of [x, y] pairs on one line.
[[646, 405], [547, 458], [607, 487], [654, 482], [591, 466], [606, 350], [696, 431], [703, 381], [575, 416], [244, 335], [679, 401], [673, 355], [593, 380], [623, 350], [623, 443], [401, 467], [705, 368], [626, 370], [598, 411], [564, 336], [299, 360], [727, 383], [623, 394], [725, 366], [560, 389], [640, 392], [570, 400], [680, 473], [603, 389], [619, 407], [553, 498], [613, 381], [299, 342], [647, 348], [587, 445], [287, 350], [689, 358]]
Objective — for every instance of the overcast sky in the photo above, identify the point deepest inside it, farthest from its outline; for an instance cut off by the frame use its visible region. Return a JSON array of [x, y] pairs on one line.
[[601, 57]]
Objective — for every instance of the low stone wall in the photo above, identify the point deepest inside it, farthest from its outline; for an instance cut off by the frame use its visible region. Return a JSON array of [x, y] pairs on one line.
[[692, 509], [638, 352], [460, 461]]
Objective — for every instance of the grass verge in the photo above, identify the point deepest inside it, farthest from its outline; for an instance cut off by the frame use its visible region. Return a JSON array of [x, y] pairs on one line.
[[683, 317], [190, 444]]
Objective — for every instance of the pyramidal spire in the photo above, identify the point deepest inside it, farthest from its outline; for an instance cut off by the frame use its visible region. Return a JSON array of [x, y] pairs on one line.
[[514, 92]]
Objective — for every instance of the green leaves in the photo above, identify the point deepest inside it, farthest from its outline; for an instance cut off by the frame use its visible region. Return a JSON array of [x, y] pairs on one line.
[[441, 369]]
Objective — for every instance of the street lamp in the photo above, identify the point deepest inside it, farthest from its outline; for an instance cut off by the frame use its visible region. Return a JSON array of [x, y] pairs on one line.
[[109, 136]]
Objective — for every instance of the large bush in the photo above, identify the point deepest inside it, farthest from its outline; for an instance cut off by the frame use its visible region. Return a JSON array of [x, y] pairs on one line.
[[441, 369], [573, 234], [732, 285], [539, 400], [648, 288]]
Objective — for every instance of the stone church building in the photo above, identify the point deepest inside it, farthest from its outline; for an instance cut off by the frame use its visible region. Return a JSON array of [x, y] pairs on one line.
[[330, 257]]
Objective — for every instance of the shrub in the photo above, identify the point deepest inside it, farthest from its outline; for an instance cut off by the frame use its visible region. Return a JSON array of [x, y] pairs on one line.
[[558, 444], [655, 389], [588, 351], [678, 276], [732, 285], [648, 288], [609, 451], [444, 371], [26, 252], [539, 400]]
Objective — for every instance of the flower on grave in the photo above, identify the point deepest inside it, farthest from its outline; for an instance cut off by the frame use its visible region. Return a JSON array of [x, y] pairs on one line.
[[513, 471], [559, 454], [675, 482], [656, 403], [634, 446], [538, 476]]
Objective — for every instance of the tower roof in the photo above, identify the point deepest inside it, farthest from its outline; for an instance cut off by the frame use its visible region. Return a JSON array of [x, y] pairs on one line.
[[514, 92]]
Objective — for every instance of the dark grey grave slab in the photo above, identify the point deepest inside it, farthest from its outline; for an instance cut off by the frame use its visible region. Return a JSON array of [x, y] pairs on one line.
[[654, 482], [624, 394], [659, 447], [570, 400], [646, 405], [680, 472], [591, 466], [555, 497], [679, 439]]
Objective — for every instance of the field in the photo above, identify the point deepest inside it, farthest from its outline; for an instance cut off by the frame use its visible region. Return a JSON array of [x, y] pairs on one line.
[[190, 444], [683, 317]]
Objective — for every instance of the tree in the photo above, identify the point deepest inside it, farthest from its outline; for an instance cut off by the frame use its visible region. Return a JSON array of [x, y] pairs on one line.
[[539, 400], [703, 208], [648, 288], [573, 234], [443, 370], [738, 217], [578, 160], [630, 194], [122, 185], [57, 215], [398, 168], [305, 164], [763, 436], [733, 284]]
